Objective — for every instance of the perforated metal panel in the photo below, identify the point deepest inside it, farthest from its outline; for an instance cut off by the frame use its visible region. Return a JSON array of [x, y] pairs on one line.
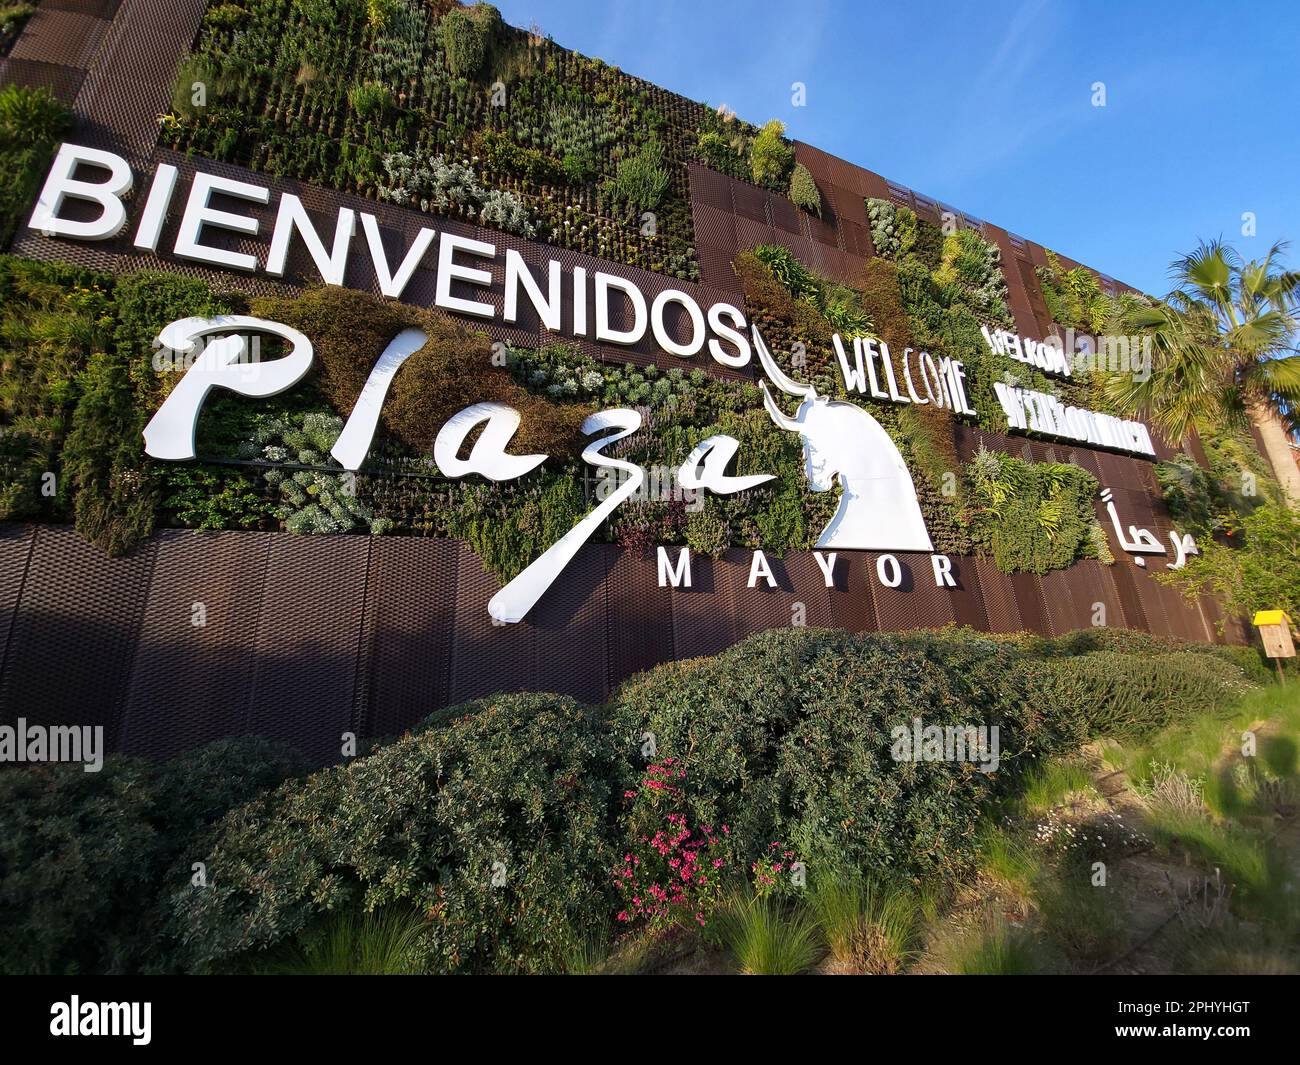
[[571, 644], [852, 604], [15, 551], [309, 628], [406, 645], [195, 662], [485, 658], [916, 603], [1135, 613], [75, 633], [639, 626], [704, 616]]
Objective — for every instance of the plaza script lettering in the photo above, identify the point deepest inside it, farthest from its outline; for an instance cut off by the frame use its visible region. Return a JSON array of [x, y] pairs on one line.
[[843, 445]]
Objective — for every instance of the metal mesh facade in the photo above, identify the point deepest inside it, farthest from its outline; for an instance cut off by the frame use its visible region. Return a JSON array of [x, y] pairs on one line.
[[203, 635], [303, 639]]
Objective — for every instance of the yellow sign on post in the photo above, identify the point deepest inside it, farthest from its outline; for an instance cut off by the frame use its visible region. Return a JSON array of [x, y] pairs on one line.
[[1275, 631]]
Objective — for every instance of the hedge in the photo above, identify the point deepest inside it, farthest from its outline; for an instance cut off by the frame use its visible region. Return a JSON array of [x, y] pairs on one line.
[[498, 823], [88, 860], [786, 736]]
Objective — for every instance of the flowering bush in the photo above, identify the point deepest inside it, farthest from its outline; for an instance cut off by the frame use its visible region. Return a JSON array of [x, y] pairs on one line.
[[774, 872], [670, 872]]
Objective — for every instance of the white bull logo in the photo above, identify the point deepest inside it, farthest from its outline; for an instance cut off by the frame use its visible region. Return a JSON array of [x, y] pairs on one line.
[[878, 508]]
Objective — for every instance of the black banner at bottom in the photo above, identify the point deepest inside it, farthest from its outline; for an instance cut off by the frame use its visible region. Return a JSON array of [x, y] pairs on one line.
[[273, 1013]]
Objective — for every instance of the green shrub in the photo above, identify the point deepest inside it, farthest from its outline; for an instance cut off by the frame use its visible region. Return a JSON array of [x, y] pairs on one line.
[[641, 179], [506, 156], [517, 789], [869, 926], [803, 190], [1073, 297], [431, 183], [787, 736], [975, 266], [32, 122], [466, 36], [786, 267], [88, 860], [723, 154], [1031, 516], [839, 306], [212, 497], [351, 944], [370, 100], [102, 458], [882, 218], [1135, 695], [1189, 492], [1258, 569], [769, 938], [770, 157]]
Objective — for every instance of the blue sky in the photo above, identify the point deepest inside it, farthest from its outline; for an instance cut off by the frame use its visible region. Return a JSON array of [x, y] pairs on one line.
[[988, 106]]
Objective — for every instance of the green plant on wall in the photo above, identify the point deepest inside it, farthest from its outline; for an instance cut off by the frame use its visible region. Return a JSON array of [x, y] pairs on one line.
[[838, 304], [314, 500], [1031, 516], [1074, 297], [803, 190], [974, 266], [770, 157], [725, 154], [32, 122], [898, 234], [327, 91], [431, 183], [466, 36], [641, 178]]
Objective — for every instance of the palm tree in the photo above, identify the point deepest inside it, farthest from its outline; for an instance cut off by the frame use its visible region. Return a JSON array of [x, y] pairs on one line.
[[1224, 348]]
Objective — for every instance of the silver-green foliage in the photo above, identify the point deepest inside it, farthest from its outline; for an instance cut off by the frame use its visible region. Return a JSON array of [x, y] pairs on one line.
[[311, 500], [882, 217], [431, 183]]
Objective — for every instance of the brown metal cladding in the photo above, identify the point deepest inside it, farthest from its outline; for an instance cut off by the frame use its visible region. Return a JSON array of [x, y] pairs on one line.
[[192, 677], [72, 639], [485, 658], [66, 38], [639, 627], [967, 598], [1135, 612], [916, 602], [704, 616], [852, 605], [998, 596], [309, 627], [15, 552], [570, 628], [1030, 602], [799, 598], [405, 646]]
